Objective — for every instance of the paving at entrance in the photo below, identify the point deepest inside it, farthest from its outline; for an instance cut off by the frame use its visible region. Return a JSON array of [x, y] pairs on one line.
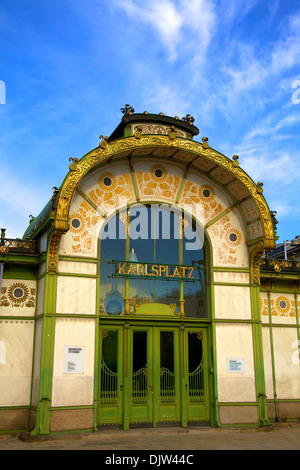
[[282, 436]]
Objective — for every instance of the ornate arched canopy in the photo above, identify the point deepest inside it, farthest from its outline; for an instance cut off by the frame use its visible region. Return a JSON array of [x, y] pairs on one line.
[[175, 146]]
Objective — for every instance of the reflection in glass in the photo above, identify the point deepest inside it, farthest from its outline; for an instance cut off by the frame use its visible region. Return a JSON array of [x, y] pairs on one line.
[[194, 292], [154, 239], [112, 289]]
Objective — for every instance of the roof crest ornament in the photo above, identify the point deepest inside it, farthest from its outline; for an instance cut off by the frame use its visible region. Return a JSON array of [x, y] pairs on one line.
[[189, 119], [127, 110]]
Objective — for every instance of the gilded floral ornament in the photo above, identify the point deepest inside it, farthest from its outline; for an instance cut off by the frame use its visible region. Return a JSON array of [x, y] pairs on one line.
[[138, 133], [205, 143], [235, 160], [73, 165], [260, 188], [103, 143], [172, 133]]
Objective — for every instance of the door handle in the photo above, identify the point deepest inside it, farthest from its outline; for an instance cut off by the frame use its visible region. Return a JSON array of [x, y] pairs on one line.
[[121, 388]]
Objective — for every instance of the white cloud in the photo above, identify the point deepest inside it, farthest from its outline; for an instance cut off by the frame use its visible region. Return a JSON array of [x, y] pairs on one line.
[[169, 101], [257, 71], [270, 125], [178, 24]]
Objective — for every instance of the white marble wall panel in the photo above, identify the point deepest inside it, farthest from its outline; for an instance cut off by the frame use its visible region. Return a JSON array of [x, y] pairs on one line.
[[74, 267], [40, 296], [16, 338], [287, 366], [76, 295], [231, 277], [232, 302], [268, 362], [37, 361], [73, 389], [235, 342]]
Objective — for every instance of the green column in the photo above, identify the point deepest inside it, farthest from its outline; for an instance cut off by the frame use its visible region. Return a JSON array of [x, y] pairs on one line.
[[184, 377], [126, 377], [259, 357], [42, 424], [272, 354]]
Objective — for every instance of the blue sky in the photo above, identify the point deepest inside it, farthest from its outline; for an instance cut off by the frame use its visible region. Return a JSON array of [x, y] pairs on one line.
[[69, 66]]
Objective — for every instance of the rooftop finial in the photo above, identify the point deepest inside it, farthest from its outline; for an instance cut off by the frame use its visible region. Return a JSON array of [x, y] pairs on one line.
[[127, 110], [189, 119]]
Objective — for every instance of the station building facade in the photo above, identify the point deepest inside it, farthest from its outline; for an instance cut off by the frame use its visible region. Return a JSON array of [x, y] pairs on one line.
[[144, 293]]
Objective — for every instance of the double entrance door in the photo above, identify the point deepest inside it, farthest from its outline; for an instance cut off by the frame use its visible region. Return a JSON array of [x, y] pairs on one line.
[[152, 374]]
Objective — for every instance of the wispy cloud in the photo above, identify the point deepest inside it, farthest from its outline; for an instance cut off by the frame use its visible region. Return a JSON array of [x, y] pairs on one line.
[[259, 64], [177, 24]]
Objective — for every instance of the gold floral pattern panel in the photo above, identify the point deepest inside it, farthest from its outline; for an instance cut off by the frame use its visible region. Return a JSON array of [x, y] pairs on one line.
[[100, 194], [158, 181], [282, 308], [264, 307], [228, 239], [201, 194], [109, 188], [82, 237], [18, 297]]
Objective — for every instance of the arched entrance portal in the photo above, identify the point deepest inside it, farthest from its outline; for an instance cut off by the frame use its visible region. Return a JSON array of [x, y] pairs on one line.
[[153, 338]]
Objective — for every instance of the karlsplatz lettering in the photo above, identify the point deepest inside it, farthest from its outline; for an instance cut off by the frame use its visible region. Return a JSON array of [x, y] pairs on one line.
[[154, 270]]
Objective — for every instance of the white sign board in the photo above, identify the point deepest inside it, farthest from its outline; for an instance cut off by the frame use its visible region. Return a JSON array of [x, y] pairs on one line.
[[74, 360], [235, 365]]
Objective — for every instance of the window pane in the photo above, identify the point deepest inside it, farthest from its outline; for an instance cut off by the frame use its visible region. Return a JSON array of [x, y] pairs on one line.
[[112, 289], [194, 292]]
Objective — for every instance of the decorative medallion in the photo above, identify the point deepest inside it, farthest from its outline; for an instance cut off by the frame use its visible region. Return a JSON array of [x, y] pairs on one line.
[[17, 295]]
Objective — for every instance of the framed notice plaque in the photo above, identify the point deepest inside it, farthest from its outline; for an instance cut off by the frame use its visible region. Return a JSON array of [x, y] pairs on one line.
[[235, 365], [74, 360]]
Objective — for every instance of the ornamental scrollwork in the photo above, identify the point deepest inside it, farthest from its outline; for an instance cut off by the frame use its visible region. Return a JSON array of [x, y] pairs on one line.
[[21, 245]]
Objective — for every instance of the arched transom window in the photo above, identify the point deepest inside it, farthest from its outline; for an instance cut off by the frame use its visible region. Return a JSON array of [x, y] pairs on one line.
[[152, 263]]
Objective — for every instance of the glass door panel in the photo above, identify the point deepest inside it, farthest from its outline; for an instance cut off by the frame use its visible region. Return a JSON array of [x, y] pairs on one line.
[[141, 376], [197, 385], [167, 372], [152, 374], [168, 367], [139, 367], [110, 383], [196, 379]]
